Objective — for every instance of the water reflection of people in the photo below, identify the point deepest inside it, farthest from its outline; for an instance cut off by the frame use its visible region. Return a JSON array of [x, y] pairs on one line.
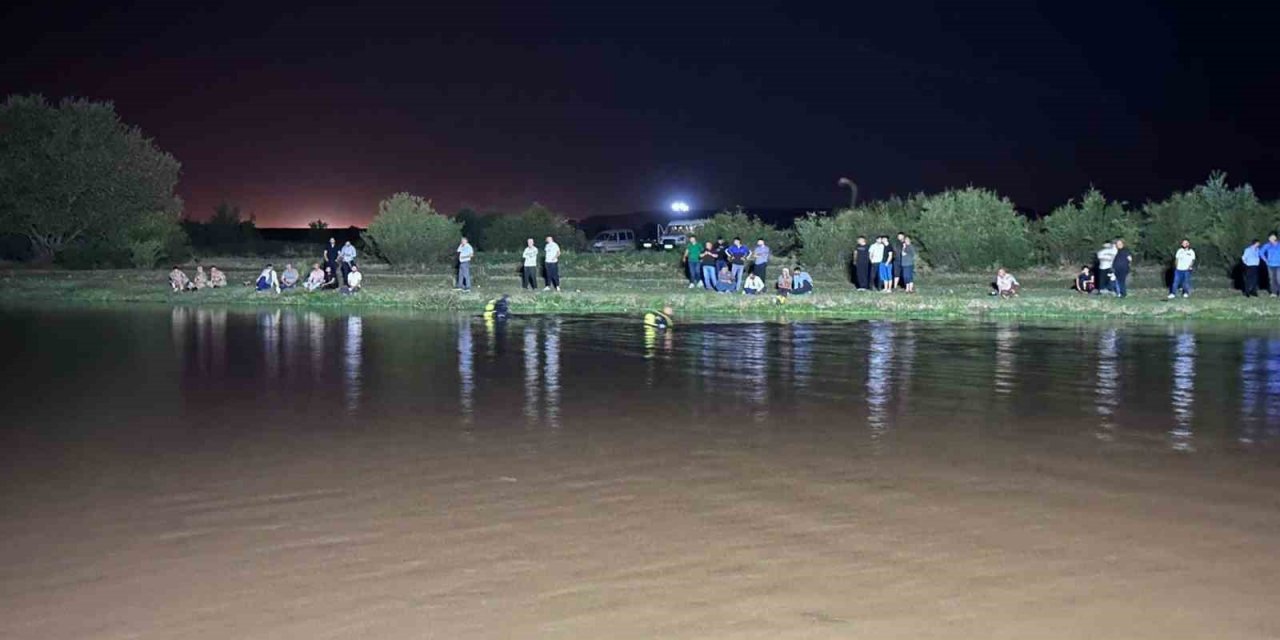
[[466, 370], [1107, 382], [315, 323], [1182, 394], [1006, 339], [269, 333], [1260, 390], [532, 372], [879, 376], [551, 371], [352, 361], [755, 368]]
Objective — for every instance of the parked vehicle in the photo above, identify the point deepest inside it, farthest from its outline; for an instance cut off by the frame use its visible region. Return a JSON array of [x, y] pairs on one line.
[[675, 233], [613, 241]]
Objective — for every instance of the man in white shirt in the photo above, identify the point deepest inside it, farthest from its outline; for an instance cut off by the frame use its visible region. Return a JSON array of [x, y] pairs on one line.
[[551, 260], [529, 271], [354, 280], [1106, 257], [1006, 286], [877, 256], [465, 252], [1183, 262]]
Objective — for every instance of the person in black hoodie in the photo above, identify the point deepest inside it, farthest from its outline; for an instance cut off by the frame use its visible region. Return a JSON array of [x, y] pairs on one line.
[[862, 265], [331, 254]]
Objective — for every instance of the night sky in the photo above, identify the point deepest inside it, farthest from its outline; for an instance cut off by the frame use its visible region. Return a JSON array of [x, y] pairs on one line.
[[305, 112]]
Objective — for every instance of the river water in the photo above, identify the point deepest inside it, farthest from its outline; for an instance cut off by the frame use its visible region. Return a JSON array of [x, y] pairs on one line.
[[205, 473]]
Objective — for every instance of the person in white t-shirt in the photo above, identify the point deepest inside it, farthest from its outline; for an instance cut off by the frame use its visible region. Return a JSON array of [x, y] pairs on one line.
[[354, 280], [1106, 258], [1005, 286], [551, 263], [877, 256], [529, 270], [1183, 262], [465, 252]]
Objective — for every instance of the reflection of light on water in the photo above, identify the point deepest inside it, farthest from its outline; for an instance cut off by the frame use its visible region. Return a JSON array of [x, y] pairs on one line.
[[802, 353], [531, 373], [269, 330], [352, 360], [1260, 390], [1107, 383], [905, 358], [552, 347], [1006, 359], [879, 376], [315, 322], [466, 371], [291, 340], [650, 354], [1183, 392]]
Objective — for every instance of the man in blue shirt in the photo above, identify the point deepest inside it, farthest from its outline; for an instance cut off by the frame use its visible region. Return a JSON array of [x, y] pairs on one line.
[[1271, 255], [1251, 258], [761, 255], [737, 261]]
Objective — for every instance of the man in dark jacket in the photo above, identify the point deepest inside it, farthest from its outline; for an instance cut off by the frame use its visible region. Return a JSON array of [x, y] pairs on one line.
[[862, 265]]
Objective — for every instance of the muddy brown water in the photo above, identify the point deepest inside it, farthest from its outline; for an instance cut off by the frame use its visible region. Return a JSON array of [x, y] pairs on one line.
[[200, 473]]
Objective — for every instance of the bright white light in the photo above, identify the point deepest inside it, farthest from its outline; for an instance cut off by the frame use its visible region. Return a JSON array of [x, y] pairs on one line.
[[679, 207]]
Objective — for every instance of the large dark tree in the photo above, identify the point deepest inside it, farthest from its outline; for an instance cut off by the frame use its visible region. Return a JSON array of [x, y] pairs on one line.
[[76, 173]]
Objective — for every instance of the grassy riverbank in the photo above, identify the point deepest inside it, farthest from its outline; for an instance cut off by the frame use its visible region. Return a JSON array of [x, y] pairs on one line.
[[634, 284]]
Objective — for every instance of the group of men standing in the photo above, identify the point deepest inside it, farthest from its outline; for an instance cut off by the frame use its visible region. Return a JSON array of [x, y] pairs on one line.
[[885, 265], [339, 260], [1254, 257], [528, 265], [704, 262]]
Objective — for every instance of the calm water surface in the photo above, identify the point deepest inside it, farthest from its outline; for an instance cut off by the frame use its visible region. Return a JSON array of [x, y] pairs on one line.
[[194, 472]]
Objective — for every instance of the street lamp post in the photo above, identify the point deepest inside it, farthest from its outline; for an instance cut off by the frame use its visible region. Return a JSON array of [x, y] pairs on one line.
[[853, 191]]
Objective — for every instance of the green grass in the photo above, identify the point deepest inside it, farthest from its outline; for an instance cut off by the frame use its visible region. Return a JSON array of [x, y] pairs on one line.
[[635, 283]]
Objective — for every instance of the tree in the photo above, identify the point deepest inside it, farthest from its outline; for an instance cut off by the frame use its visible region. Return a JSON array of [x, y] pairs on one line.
[[508, 233], [1074, 232], [408, 231], [318, 231], [740, 224], [76, 174], [972, 228], [1218, 219]]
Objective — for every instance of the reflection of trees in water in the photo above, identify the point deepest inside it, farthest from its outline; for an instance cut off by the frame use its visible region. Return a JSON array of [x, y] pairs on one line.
[[353, 361], [879, 375], [1182, 394], [1260, 390], [1107, 382]]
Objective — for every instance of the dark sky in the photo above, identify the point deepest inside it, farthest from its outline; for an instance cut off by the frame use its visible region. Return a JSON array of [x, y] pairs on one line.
[[304, 112]]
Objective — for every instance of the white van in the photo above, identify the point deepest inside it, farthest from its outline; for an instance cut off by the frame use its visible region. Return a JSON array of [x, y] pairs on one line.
[[614, 240]]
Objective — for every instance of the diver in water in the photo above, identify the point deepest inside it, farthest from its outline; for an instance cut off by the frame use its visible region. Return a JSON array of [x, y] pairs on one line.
[[659, 319], [497, 309]]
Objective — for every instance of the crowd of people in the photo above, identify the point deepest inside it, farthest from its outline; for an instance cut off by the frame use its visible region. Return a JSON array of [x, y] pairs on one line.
[[337, 270], [1109, 273]]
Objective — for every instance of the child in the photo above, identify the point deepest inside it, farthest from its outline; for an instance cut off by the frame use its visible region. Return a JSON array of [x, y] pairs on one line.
[[1085, 282]]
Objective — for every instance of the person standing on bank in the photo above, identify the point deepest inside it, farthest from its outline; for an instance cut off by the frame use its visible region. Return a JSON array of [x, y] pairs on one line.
[[692, 263], [737, 262], [897, 259], [1120, 268], [331, 255], [1106, 259], [347, 258], [907, 262], [465, 253], [886, 266], [761, 255], [530, 269], [1271, 255], [551, 262], [1252, 260], [861, 265], [876, 253], [1183, 262], [708, 259]]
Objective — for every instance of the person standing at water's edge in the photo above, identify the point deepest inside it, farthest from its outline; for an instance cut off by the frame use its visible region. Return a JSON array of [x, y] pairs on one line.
[[692, 263], [1252, 259], [876, 254], [551, 262], [346, 258], [896, 247], [862, 265], [737, 261], [1106, 260], [1120, 268], [708, 259], [908, 264], [761, 255], [465, 252], [886, 266], [1271, 255], [529, 270], [1183, 262], [331, 255]]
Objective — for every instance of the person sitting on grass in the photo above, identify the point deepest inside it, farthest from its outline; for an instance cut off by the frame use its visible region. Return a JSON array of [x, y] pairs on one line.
[[315, 279], [354, 280], [179, 281], [330, 279], [725, 282], [752, 285], [801, 283], [784, 282], [1084, 281], [268, 280], [201, 281], [216, 278], [1005, 286], [289, 277]]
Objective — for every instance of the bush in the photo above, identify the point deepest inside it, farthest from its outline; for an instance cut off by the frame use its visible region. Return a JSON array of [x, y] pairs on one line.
[[740, 224], [1218, 219], [154, 237], [829, 240], [972, 229], [407, 231], [509, 233], [1074, 232]]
